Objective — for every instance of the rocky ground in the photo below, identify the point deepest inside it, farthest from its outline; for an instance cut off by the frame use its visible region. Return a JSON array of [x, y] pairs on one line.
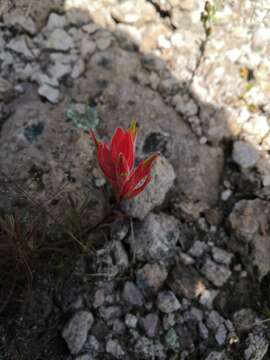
[[184, 274]]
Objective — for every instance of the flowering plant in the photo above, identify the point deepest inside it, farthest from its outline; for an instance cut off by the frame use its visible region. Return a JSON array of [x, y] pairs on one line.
[[117, 163]]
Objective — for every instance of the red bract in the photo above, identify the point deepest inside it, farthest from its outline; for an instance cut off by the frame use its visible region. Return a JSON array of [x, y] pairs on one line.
[[117, 163]]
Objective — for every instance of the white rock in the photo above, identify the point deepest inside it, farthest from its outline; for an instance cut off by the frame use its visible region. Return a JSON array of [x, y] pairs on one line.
[[163, 42], [55, 21], [50, 93], [60, 40], [59, 70], [19, 45], [245, 155], [103, 43], [87, 48], [261, 37], [78, 69]]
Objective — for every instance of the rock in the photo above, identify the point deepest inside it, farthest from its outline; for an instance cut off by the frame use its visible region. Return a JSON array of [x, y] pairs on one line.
[[151, 277], [221, 335], [120, 255], [185, 105], [244, 320], [167, 302], [5, 90], [216, 355], [55, 21], [131, 321], [214, 320], [78, 69], [50, 93], [172, 340], [207, 298], [132, 295], [60, 40], [245, 154], [110, 312], [249, 223], [114, 348], [156, 238], [221, 256], [256, 345], [130, 13], [87, 47], [59, 70], [76, 330], [249, 218], [103, 43], [162, 181], [21, 22], [198, 249], [150, 324], [20, 46], [186, 281], [215, 273]]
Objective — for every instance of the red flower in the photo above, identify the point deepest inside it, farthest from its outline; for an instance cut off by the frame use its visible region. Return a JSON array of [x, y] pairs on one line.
[[117, 163]]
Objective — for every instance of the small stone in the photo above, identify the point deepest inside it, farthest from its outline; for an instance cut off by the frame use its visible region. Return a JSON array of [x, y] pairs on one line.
[[221, 256], [221, 334], [216, 355], [225, 195], [60, 40], [215, 273], [167, 302], [103, 43], [20, 46], [207, 298], [171, 340], [245, 155], [131, 321], [90, 28], [120, 255], [50, 93], [78, 69], [87, 48], [261, 37], [151, 277], [214, 320], [156, 238], [185, 105], [198, 249], [59, 70], [76, 330], [110, 312], [150, 324], [114, 348], [187, 282], [132, 294], [204, 333], [55, 21], [163, 42], [163, 177]]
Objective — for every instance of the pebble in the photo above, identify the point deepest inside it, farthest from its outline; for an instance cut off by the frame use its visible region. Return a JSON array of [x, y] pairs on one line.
[[217, 274], [76, 330], [167, 302], [50, 93], [132, 295], [59, 39], [114, 348], [245, 154]]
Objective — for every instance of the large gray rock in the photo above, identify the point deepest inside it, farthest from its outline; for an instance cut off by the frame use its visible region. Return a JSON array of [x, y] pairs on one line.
[[76, 330], [156, 238], [59, 39], [45, 160], [154, 194]]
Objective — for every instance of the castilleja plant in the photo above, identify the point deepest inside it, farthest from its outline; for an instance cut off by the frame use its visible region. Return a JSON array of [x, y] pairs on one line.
[[117, 163]]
